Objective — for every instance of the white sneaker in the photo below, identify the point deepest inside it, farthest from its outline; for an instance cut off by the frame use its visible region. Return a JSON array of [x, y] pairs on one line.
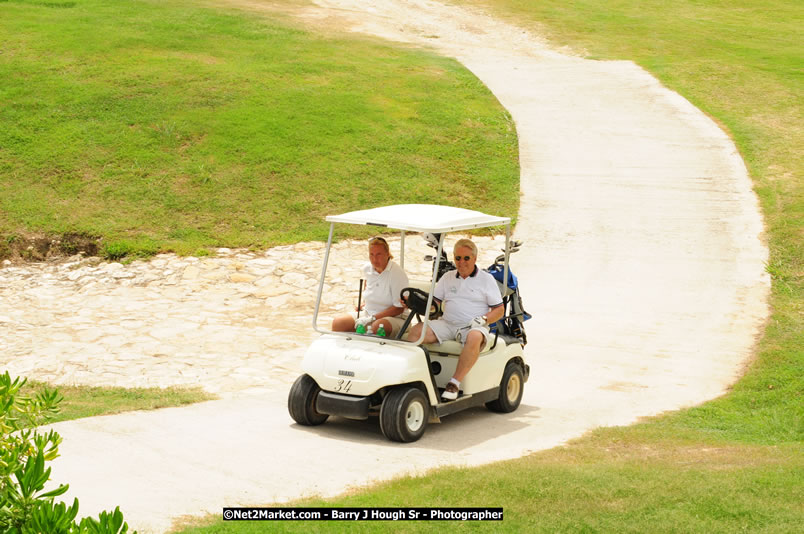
[[450, 392]]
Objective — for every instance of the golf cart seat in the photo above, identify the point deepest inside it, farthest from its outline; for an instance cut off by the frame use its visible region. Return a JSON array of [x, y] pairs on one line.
[[454, 348]]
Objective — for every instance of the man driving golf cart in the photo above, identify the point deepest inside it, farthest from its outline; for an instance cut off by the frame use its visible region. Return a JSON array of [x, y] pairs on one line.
[[471, 301]]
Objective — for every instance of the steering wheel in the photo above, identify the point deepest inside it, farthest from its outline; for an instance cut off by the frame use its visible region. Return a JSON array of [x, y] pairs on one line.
[[416, 300]]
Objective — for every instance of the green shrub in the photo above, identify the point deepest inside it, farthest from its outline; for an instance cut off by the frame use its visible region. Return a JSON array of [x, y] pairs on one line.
[[139, 248], [25, 506]]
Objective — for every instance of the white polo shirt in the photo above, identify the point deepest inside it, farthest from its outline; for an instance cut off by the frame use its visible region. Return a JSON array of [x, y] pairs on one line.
[[467, 298], [383, 289]]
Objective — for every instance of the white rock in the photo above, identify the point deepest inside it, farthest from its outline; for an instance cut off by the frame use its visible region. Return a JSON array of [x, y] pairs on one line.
[[241, 277], [295, 279], [266, 281], [76, 274], [191, 273]]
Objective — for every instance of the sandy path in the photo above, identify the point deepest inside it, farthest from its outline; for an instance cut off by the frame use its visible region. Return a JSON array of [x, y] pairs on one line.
[[644, 269]]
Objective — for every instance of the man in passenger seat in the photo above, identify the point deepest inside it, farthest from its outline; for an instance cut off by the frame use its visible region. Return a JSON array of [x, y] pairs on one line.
[[471, 301]]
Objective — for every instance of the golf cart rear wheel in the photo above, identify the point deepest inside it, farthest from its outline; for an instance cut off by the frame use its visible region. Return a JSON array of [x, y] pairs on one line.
[[511, 387], [404, 414], [301, 402]]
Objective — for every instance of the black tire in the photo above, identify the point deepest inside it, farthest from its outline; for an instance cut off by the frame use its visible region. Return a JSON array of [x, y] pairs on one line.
[[301, 402], [512, 386], [404, 414]]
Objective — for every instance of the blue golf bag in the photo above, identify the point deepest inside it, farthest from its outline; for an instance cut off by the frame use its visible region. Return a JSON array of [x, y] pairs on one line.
[[515, 314]]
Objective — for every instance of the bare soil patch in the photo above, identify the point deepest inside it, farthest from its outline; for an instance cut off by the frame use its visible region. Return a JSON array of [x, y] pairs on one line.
[[33, 247]]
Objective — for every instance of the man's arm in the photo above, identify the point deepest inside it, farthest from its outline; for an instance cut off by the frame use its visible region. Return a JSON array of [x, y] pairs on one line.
[[495, 314], [399, 281], [496, 311], [391, 311]]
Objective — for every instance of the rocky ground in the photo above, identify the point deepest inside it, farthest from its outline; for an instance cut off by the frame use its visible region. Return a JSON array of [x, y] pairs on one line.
[[235, 321]]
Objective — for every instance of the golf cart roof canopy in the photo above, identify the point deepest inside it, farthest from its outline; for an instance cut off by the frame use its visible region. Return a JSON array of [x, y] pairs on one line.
[[421, 218]]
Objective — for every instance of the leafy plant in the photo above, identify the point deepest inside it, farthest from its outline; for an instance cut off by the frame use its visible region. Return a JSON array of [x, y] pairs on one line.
[[116, 251], [25, 506]]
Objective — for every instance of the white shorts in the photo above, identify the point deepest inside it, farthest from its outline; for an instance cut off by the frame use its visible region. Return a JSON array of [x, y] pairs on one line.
[[445, 331], [396, 322]]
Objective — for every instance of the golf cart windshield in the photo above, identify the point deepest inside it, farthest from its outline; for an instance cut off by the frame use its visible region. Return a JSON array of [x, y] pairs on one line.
[[422, 218]]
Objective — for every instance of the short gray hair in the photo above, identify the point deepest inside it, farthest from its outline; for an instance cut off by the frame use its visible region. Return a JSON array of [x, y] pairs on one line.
[[468, 243]]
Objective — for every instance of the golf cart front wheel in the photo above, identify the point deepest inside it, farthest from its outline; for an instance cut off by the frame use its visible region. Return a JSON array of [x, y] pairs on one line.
[[301, 402], [404, 414], [512, 386]]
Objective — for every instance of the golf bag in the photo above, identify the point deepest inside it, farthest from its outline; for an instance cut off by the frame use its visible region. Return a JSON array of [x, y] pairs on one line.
[[515, 314], [444, 265]]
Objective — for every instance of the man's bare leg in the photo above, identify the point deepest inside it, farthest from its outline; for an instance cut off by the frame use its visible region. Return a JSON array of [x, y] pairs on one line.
[[343, 323], [469, 354], [416, 332]]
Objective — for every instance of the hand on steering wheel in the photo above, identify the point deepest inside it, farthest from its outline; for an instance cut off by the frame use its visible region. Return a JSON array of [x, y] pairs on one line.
[[416, 300]]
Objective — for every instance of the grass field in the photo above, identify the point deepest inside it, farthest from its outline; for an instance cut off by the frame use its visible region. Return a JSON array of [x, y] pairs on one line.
[[731, 465], [84, 401], [158, 126]]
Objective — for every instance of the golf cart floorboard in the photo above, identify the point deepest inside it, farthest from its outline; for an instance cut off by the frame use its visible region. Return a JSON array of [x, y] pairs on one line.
[[466, 401]]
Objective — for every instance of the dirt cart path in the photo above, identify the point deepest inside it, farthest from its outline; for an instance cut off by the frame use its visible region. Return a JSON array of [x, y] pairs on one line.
[[644, 269]]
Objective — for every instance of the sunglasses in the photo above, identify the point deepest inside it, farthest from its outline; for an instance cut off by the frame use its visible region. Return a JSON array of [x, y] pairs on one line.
[[464, 258], [376, 239]]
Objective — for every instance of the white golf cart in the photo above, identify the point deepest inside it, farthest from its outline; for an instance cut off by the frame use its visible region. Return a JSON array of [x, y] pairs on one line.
[[356, 375]]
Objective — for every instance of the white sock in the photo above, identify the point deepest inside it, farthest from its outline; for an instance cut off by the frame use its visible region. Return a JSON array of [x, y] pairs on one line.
[[456, 382]]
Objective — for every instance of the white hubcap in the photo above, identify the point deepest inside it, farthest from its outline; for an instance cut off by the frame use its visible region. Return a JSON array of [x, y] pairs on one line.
[[512, 391], [415, 416]]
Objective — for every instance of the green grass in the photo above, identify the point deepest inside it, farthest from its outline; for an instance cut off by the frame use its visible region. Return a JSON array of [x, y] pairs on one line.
[[86, 401], [601, 487], [168, 126], [731, 465]]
